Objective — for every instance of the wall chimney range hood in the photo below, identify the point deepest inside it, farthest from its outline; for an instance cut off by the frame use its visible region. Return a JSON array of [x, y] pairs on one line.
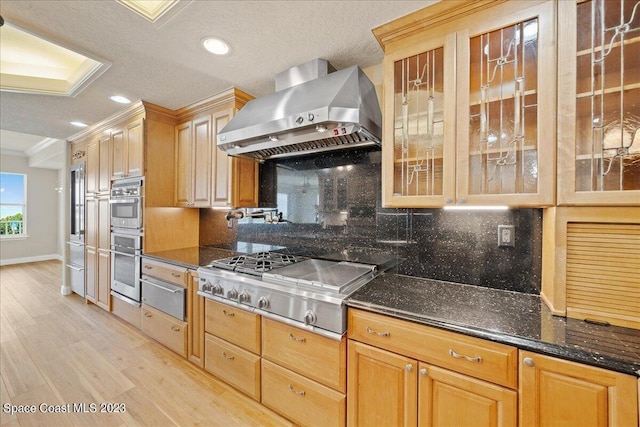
[[312, 110]]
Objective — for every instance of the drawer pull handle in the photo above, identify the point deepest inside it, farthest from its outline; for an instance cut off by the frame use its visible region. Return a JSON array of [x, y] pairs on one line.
[[291, 337], [299, 393], [380, 334], [175, 328], [477, 359], [226, 356], [228, 314], [148, 267], [176, 274], [147, 314]]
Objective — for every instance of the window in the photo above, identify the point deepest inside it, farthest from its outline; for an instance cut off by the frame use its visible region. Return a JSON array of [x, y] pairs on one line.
[[13, 205]]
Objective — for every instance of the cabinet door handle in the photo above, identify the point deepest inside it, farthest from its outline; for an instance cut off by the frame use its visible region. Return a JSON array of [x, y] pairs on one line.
[[228, 314], [380, 334], [477, 359], [226, 356], [299, 393], [529, 362], [291, 337], [147, 314], [409, 367], [423, 372], [175, 328]]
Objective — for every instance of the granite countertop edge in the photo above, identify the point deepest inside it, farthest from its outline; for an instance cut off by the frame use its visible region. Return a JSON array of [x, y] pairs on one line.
[[563, 352]]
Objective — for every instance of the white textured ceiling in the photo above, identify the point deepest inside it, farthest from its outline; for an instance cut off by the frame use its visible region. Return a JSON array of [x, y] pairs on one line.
[[164, 63]]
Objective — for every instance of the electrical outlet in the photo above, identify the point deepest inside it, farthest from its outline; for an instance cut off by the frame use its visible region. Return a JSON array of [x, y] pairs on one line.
[[506, 235]]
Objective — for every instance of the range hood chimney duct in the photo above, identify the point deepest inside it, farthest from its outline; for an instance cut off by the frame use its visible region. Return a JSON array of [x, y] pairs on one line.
[[315, 108]]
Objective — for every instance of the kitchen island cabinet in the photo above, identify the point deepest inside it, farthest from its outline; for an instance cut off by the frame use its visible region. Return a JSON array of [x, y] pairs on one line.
[[205, 175], [470, 105]]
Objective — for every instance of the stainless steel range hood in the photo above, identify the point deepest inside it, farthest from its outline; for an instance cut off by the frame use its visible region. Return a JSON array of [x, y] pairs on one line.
[[336, 110]]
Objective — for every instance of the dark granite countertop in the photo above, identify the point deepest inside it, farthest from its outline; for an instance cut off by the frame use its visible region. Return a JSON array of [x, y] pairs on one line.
[[513, 318]]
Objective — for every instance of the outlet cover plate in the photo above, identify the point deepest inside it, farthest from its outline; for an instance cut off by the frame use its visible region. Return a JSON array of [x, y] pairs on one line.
[[506, 235]]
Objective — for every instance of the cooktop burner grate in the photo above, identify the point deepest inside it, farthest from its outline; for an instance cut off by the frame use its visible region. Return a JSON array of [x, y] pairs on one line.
[[256, 263]]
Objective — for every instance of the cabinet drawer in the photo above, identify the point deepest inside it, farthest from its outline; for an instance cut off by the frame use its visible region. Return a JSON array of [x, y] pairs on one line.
[[233, 324], [301, 400], [124, 310], [319, 358], [233, 365], [473, 356], [167, 272], [165, 329]]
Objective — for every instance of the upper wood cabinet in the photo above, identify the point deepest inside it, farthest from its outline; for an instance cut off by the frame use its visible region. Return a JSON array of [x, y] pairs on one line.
[[98, 172], [127, 150], [470, 105], [599, 89], [206, 176]]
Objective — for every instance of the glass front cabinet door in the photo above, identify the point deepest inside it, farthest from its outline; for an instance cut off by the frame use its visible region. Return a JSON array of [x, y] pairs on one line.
[[470, 107], [599, 102]]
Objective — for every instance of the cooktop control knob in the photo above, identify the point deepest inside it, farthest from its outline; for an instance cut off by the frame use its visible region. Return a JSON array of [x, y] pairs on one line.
[[244, 297], [232, 294], [299, 120], [263, 303], [206, 286], [217, 289], [310, 318]]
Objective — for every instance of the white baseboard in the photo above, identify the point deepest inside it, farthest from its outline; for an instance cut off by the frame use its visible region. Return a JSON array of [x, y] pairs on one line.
[[30, 259]]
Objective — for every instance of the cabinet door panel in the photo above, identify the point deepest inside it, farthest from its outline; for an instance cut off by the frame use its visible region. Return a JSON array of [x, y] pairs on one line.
[[222, 162], [202, 146], [506, 107], [447, 398], [103, 298], [118, 151], [104, 179], [184, 170], [135, 148], [559, 392], [92, 171], [382, 387], [599, 85], [419, 152]]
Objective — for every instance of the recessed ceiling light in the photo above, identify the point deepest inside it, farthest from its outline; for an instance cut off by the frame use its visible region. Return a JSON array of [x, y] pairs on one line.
[[120, 99], [215, 45], [79, 124]]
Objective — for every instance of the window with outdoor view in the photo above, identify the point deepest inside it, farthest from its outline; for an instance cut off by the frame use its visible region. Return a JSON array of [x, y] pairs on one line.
[[13, 204]]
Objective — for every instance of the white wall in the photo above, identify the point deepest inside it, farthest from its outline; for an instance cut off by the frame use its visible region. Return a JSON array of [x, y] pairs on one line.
[[43, 214]]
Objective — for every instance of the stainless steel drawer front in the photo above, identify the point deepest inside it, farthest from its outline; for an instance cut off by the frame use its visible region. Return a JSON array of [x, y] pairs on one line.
[[164, 296]]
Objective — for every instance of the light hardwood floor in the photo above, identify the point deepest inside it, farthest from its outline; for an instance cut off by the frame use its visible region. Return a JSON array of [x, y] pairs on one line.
[[57, 350]]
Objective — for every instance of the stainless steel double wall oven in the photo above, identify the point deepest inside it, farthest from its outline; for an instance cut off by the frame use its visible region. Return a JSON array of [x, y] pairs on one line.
[[126, 238]]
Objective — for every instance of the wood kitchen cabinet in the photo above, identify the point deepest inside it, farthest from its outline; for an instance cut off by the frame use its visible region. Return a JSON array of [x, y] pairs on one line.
[[205, 175], [166, 329], [127, 150], [232, 346], [599, 88], [557, 392], [97, 249], [470, 105], [304, 374], [195, 319], [401, 373]]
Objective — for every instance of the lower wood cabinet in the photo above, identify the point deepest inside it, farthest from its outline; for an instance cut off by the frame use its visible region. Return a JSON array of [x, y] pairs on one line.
[[405, 374], [235, 366], [195, 318], [300, 399], [557, 392], [165, 329]]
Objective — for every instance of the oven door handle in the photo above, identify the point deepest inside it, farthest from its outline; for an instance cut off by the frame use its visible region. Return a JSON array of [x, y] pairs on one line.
[[173, 291], [129, 201], [114, 251]]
